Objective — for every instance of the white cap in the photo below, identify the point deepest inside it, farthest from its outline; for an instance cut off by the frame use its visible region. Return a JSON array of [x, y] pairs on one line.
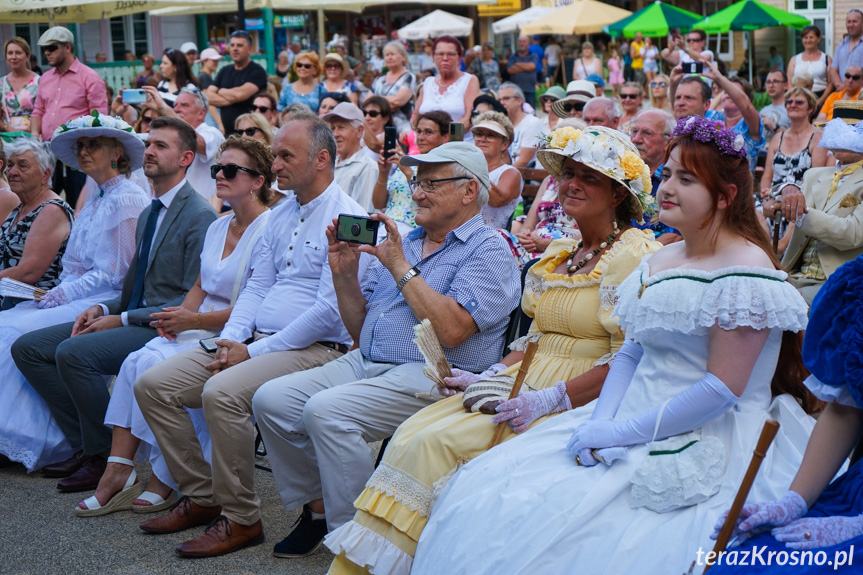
[[189, 47], [467, 155], [209, 54]]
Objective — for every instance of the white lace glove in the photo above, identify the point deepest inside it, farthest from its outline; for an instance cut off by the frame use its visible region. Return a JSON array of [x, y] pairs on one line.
[[756, 518], [688, 410], [821, 531], [523, 410], [461, 379], [53, 298]]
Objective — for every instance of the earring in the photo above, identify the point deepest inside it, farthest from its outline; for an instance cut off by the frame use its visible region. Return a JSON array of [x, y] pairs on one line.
[[114, 164]]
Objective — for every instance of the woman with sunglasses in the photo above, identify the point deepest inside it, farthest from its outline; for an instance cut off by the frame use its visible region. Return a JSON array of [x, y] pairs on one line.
[[658, 93], [142, 126], [397, 85], [19, 87], [176, 75], [814, 62], [549, 97], [631, 97], [306, 90], [334, 81], [791, 153], [98, 253], [378, 114], [254, 125], [243, 178]]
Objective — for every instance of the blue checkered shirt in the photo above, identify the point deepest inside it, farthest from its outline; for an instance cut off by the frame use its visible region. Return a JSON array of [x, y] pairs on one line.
[[474, 267]]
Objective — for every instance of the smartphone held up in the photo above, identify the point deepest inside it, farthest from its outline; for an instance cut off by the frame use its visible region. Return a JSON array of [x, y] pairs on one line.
[[357, 229]]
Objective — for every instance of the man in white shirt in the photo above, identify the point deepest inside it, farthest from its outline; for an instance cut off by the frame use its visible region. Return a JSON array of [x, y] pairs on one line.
[[285, 320], [356, 172], [774, 115], [527, 126]]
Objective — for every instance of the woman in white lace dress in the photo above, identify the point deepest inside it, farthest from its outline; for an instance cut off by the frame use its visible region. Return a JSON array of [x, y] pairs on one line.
[[651, 463], [452, 90], [230, 248], [100, 247]]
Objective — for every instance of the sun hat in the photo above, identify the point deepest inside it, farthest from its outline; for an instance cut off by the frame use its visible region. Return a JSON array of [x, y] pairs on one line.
[[850, 111], [189, 47], [495, 122], [555, 92], [96, 125], [467, 155], [607, 151], [337, 58], [579, 91], [56, 35], [209, 54]]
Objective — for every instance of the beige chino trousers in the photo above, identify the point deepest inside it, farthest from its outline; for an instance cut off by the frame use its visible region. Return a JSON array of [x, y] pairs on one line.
[[165, 390]]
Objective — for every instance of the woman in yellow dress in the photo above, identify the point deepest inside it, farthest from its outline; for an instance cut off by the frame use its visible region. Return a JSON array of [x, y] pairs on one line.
[[570, 293]]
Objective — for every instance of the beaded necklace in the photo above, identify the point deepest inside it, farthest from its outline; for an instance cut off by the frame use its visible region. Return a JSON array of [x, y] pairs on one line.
[[574, 267]]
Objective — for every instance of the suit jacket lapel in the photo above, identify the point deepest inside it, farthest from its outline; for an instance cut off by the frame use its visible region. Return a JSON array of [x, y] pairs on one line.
[[844, 188], [170, 216]]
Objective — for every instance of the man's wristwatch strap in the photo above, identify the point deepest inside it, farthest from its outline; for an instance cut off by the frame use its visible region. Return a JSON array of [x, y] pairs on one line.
[[407, 277]]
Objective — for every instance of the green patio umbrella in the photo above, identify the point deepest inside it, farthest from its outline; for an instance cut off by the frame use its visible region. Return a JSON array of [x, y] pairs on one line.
[[749, 15], [655, 20]]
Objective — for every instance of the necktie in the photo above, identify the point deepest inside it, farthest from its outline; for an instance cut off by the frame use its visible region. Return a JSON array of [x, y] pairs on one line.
[[841, 174], [144, 255]]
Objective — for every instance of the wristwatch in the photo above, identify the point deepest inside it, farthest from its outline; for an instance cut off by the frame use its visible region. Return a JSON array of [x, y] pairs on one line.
[[407, 277]]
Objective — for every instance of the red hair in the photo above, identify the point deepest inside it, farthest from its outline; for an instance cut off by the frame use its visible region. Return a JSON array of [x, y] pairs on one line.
[[446, 39], [718, 171]]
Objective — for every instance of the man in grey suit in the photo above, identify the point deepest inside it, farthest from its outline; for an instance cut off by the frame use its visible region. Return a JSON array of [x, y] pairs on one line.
[[66, 363]]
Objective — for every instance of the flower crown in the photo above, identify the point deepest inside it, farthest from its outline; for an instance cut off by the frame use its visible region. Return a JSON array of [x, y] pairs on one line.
[[706, 131], [95, 120], [607, 154]]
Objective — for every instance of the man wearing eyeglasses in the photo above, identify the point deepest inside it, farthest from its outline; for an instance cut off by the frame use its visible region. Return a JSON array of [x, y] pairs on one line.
[[234, 88], [68, 90], [356, 172], [451, 270], [774, 115], [851, 91]]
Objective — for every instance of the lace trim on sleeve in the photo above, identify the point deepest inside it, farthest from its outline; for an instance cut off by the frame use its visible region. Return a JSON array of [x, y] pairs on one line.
[[607, 297], [521, 343], [606, 359]]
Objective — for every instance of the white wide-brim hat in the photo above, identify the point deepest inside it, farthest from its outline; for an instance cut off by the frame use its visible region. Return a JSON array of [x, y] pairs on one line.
[[607, 151], [96, 125]]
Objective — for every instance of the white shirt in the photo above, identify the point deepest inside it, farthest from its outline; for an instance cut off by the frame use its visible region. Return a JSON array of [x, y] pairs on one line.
[[166, 200], [291, 293], [356, 176], [552, 54], [526, 135], [198, 173]]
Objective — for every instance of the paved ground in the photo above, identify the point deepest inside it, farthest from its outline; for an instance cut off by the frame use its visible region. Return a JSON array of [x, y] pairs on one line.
[[41, 535]]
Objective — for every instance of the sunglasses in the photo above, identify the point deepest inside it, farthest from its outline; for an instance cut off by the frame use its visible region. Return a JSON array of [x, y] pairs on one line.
[[372, 113], [262, 110], [241, 34], [250, 132], [629, 96], [229, 171], [658, 84], [693, 39], [853, 76], [307, 66], [800, 103], [146, 120], [90, 145], [333, 66], [570, 107], [50, 48]]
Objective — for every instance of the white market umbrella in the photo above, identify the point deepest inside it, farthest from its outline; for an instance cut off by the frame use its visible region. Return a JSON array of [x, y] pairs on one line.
[[513, 23], [437, 23], [52, 11]]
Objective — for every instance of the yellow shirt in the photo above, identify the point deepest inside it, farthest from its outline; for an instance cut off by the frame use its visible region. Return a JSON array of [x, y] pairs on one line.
[[637, 60]]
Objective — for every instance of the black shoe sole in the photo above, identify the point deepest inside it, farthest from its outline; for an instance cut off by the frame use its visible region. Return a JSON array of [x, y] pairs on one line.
[[297, 555], [78, 488], [250, 543], [167, 531]]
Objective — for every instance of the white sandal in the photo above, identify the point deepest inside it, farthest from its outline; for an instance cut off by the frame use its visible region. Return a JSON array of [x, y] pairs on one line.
[[157, 502], [120, 501]]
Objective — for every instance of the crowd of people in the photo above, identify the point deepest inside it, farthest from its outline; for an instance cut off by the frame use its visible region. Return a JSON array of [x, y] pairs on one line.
[[191, 248]]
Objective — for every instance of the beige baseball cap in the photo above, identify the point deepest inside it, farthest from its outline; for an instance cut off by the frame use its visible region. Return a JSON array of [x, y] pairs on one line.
[[56, 35]]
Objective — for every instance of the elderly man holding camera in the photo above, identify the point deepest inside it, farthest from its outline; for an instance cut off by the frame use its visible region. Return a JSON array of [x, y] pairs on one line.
[[453, 271]]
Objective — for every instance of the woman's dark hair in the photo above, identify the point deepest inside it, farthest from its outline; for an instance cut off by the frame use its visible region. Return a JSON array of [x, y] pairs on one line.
[[383, 105], [145, 113], [183, 74], [716, 171], [261, 161], [439, 117], [448, 40], [339, 97], [813, 29], [491, 101]]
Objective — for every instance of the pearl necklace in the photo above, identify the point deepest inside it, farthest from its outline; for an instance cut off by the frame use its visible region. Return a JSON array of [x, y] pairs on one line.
[[572, 268]]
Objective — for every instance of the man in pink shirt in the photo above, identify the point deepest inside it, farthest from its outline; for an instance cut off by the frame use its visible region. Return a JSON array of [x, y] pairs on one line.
[[69, 90]]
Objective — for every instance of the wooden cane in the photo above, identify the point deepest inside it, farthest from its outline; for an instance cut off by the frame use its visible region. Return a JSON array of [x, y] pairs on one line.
[[777, 220], [768, 432], [516, 387]]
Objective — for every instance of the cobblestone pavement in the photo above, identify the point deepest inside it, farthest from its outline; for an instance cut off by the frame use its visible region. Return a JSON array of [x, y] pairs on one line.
[[41, 535]]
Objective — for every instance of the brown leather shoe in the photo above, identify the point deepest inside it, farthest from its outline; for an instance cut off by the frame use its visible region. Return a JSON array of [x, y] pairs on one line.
[[87, 477], [184, 515], [222, 536], [64, 468]]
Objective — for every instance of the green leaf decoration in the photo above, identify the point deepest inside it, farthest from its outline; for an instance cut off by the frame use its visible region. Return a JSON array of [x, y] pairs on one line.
[[95, 113]]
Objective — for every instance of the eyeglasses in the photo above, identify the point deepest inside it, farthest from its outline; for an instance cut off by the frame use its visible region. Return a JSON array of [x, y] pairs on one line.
[[90, 145], [853, 76], [307, 66], [262, 110], [799, 103], [570, 107], [230, 171], [333, 66], [50, 48], [629, 96], [372, 113], [146, 119], [659, 84], [250, 132], [486, 135], [696, 39], [446, 55], [644, 133], [431, 186]]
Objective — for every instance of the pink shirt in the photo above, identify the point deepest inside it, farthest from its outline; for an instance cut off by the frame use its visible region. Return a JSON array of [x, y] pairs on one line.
[[72, 94]]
